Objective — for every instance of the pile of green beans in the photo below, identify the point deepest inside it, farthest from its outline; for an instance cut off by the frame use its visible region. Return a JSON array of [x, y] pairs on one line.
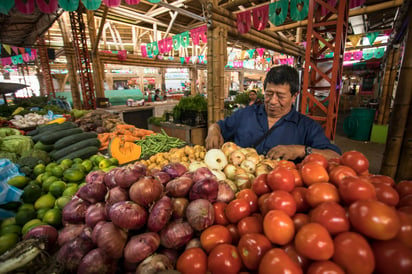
[[160, 142]]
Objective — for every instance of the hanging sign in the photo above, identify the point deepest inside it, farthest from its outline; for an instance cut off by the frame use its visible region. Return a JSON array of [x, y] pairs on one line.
[[5, 6], [176, 42], [47, 6], [299, 9], [357, 55], [367, 54], [165, 45], [260, 17], [185, 39], [92, 4], [243, 21], [379, 52], [199, 33], [25, 6], [278, 12], [69, 5]]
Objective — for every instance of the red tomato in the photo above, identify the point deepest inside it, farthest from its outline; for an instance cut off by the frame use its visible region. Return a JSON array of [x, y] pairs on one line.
[[286, 163], [353, 253], [299, 194], [322, 267], [321, 192], [250, 224], [234, 233], [404, 188], [339, 173], [332, 216], [405, 201], [214, 235], [406, 209], [317, 158], [251, 248], [220, 215], [356, 160], [263, 208], [237, 209], [224, 258], [277, 261], [405, 232], [332, 163], [353, 189], [392, 257], [300, 219], [282, 200], [314, 242], [382, 179], [298, 177], [386, 194], [280, 178], [259, 185], [278, 227], [192, 260], [300, 260], [250, 196], [374, 219], [312, 172]]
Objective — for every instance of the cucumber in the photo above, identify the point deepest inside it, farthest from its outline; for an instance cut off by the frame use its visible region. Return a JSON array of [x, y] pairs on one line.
[[66, 141], [33, 132], [91, 142], [83, 153], [46, 130], [52, 137]]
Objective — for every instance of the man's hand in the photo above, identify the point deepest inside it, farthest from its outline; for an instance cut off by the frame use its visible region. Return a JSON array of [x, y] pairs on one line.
[[286, 152], [214, 138]]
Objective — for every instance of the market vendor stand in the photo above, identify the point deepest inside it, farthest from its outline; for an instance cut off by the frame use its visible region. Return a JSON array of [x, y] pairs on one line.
[[6, 88]]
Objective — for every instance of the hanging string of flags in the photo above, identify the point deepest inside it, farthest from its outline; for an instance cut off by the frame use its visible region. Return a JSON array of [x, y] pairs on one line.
[[22, 55]]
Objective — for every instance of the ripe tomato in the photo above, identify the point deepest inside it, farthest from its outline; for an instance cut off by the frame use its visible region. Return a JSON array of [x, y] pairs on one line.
[[382, 179], [312, 172], [353, 253], [386, 194], [282, 200], [250, 196], [332, 163], [299, 194], [317, 158], [332, 216], [263, 208], [404, 188], [259, 185], [234, 233], [277, 261], [392, 257], [353, 189], [405, 201], [224, 258], [237, 209], [300, 219], [321, 192], [192, 260], [298, 177], [286, 163], [356, 160], [300, 260], [339, 173], [220, 215], [314, 242], [406, 209], [405, 232], [214, 235], [321, 267], [374, 219], [250, 224], [278, 227], [251, 248], [280, 178]]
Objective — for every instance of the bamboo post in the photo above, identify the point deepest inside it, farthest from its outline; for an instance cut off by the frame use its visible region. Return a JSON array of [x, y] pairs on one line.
[[193, 78], [396, 131], [385, 88], [392, 79], [241, 80], [404, 171]]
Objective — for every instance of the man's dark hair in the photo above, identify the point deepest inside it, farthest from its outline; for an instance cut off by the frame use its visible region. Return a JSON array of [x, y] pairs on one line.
[[254, 91], [281, 75]]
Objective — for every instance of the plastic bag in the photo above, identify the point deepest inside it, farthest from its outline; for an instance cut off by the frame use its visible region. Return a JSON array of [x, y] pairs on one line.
[[8, 193]]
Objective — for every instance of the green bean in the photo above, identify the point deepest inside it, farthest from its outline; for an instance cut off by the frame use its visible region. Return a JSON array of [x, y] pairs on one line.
[[156, 143]]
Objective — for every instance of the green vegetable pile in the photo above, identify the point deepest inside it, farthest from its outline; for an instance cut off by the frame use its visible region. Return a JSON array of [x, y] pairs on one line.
[[13, 146], [160, 142]]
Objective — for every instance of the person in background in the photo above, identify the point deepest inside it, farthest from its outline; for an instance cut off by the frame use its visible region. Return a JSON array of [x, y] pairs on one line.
[[274, 128], [253, 98], [157, 95]]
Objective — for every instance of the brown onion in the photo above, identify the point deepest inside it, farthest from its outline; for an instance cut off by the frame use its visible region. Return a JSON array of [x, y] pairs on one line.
[[47, 233], [179, 206], [128, 214], [69, 233], [160, 214], [176, 234], [175, 169], [97, 261], [145, 191], [204, 189], [96, 176], [95, 213], [74, 211], [111, 239], [141, 246], [92, 192], [200, 214], [179, 187]]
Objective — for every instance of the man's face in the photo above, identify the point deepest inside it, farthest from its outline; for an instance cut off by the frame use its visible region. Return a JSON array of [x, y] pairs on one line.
[[278, 100], [252, 96]]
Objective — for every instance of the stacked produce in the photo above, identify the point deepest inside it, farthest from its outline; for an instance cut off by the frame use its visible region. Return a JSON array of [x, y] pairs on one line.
[[99, 121], [127, 133], [13, 144], [29, 120]]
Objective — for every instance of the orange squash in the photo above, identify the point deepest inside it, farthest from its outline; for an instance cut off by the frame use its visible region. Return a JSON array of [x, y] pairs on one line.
[[124, 151]]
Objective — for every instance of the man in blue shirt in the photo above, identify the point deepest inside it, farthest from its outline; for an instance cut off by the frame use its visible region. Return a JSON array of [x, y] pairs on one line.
[[292, 135]]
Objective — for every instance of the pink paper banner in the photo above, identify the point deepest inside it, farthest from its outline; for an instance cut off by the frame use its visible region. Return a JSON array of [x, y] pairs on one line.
[[6, 61], [243, 21], [260, 17], [49, 6], [143, 50], [347, 56], [26, 7]]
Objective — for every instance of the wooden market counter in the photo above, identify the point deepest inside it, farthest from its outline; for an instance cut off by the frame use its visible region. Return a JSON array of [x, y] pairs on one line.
[[194, 135]]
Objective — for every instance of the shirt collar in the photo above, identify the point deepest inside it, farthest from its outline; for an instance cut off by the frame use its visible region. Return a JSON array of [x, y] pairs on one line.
[[292, 116]]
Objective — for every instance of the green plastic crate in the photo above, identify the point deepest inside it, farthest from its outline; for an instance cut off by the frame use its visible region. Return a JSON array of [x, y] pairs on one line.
[[379, 134]]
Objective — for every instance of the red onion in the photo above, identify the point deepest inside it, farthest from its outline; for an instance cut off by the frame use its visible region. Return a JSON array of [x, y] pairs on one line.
[[200, 214], [92, 192], [145, 191], [224, 193], [109, 178], [179, 206], [160, 214], [95, 231], [116, 194], [175, 169], [128, 214], [161, 176], [127, 175], [74, 211], [71, 253], [188, 174], [95, 213], [69, 233], [141, 246], [111, 239], [202, 173], [204, 189], [46, 233], [179, 187], [96, 176], [97, 261], [176, 234], [154, 264]]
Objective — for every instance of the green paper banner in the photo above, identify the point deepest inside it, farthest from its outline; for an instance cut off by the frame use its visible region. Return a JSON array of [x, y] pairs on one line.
[[296, 13], [372, 37], [278, 12], [185, 39], [367, 54], [92, 4], [379, 52], [155, 48], [154, 1], [6, 6], [251, 52], [69, 5], [182, 60], [176, 41]]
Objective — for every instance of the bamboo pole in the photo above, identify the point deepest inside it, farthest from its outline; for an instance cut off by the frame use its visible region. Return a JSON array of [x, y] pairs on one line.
[[385, 87], [404, 171], [392, 79]]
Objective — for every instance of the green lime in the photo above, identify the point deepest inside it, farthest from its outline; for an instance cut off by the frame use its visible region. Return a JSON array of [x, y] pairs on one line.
[[26, 206], [77, 160], [39, 169], [53, 217], [41, 212], [66, 163], [107, 169], [31, 193], [50, 166], [114, 161], [87, 164], [62, 201], [70, 191], [45, 201], [46, 175], [46, 183], [8, 241], [34, 182], [57, 188], [57, 171], [24, 216], [8, 221], [19, 181], [97, 159], [79, 167], [73, 174], [11, 229], [104, 163], [72, 184]]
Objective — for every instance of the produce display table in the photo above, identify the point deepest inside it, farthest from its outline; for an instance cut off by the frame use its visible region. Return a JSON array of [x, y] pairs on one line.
[[161, 106], [136, 116], [190, 134]]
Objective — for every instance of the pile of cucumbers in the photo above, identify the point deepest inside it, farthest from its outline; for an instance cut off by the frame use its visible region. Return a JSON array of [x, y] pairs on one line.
[[65, 141]]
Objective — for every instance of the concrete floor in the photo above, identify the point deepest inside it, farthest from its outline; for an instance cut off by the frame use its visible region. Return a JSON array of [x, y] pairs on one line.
[[373, 151]]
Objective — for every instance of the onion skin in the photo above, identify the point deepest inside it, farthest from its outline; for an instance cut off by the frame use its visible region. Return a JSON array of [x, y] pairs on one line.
[[97, 261], [71, 253], [109, 178], [111, 240], [92, 192], [154, 264], [74, 212], [95, 231], [116, 194], [179, 206], [95, 213], [96, 176], [69, 233], [128, 215], [126, 176], [145, 191], [47, 233], [200, 214], [204, 189], [225, 193], [179, 187], [174, 169], [161, 176], [160, 214], [141, 246], [202, 173], [176, 234], [195, 242]]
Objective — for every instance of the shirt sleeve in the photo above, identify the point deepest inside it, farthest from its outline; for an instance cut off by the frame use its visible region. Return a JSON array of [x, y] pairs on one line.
[[228, 126], [316, 137]]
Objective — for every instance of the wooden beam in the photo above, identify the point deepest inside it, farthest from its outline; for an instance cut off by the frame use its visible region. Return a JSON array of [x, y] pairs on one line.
[[99, 33]]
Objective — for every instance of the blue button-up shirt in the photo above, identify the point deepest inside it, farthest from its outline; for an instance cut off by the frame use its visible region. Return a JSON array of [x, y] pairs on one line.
[[246, 126]]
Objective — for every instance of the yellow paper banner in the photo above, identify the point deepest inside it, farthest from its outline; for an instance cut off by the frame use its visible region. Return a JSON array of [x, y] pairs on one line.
[[355, 39]]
